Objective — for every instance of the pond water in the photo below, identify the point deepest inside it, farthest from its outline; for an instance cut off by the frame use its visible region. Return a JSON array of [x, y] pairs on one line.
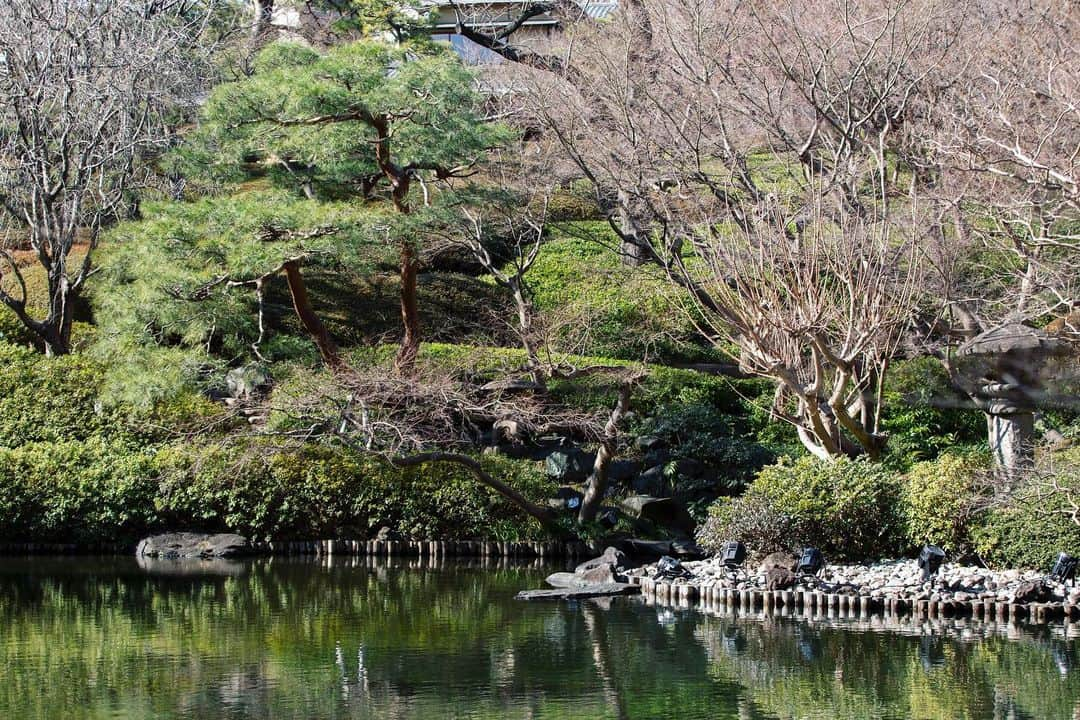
[[286, 639]]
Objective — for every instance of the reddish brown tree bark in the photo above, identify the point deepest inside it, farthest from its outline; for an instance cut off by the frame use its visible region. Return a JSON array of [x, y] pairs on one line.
[[328, 349]]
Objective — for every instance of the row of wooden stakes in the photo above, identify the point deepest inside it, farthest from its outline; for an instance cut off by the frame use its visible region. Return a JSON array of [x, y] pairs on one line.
[[820, 602], [432, 548]]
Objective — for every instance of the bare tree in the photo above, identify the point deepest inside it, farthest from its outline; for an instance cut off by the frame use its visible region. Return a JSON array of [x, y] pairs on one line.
[[751, 152], [85, 89], [1003, 140], [431, 416]]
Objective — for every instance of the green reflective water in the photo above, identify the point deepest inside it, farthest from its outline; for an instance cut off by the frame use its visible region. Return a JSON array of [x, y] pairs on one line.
[[280, 639]]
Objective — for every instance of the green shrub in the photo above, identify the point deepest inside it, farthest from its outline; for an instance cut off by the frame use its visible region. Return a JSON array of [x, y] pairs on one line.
[[847, 508], [1036, 523], [922, 413], [938, 501], [574, 204], [593, 303], [319, 491], [88, 491], [752, 519], [49, 399], [716, 440]]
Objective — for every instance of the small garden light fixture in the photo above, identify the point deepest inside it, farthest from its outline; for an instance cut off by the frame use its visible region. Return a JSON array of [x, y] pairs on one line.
[[1064, 569], [811, 561], [733, 555], [930, 560]]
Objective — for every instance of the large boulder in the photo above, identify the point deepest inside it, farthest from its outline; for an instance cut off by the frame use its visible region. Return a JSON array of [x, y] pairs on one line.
[[650, 482], [645, 443], [662, 512], [572, 465], [598, 575], [620, 471], [186, 545], [647, 551], [601, 575]]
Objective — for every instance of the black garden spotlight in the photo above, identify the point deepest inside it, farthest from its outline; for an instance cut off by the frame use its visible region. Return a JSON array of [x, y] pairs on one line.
[[930, 560], [1064, 569], [811, 561], [733, 555]]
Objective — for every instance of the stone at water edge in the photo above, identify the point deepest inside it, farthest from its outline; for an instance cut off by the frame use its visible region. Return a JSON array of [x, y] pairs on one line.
[[386, 534], [780, 578], [177, 546], [662, 512], [579, 593], [777, 560], [1033, 591], [611, 556], [565, 580]]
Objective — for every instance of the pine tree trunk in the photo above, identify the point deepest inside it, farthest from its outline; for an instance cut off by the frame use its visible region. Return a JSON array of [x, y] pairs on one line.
[[328, 349]]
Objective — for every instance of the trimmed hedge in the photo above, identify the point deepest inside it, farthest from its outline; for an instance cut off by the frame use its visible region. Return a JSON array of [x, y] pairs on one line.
[[939, 501], [98, 491], [847, 508], [322, 491]]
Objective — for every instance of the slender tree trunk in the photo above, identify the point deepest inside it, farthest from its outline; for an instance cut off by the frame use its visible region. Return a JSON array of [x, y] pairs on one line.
[[328, 349], [525, 328], [633, 249], [597, 483], [57, 335], [410, 312]]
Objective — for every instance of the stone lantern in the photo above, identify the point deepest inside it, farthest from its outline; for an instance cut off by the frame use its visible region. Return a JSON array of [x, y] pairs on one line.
[[1006, 371]]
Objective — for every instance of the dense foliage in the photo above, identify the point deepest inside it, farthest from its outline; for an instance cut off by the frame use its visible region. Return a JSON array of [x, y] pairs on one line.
[[847, 508]]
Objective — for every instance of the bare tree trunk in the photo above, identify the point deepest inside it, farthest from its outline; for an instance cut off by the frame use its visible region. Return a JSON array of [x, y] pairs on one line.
[[260, 26], [596, 485], [57, 335], [634, 244], [328, 349], [525, 328]]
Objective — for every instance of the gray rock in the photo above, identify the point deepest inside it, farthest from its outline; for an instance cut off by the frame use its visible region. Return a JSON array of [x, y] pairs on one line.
[[385, 534], [662, 512], [657, 458], [565, 580], [687, 550], [1033, 591], [646, 443], [650, 482], [246, 381], [611, 556], [176, 546], [569, 466], [580, 593], [622, 470], [601, 575], [777, 560], [779, 578]]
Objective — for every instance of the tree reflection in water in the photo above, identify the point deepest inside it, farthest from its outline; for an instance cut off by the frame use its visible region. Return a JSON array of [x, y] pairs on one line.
[[356, 638]]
